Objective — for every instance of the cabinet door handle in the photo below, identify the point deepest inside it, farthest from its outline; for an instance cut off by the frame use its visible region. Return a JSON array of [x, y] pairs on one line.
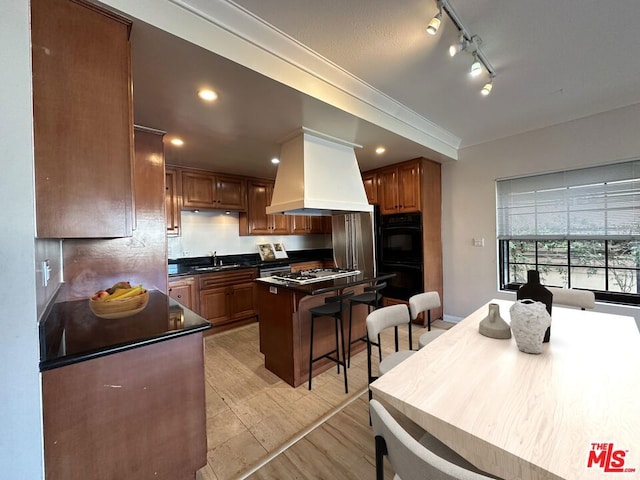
[[179, 296]]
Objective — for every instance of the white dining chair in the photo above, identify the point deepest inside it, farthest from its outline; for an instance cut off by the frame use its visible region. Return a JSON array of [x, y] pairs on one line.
[[424, 303], [379, 320], [411, 459], [573, 297]]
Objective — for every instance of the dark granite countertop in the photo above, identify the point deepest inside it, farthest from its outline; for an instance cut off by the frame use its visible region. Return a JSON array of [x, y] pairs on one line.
[[317, 288], [71, 333], [196, 265]]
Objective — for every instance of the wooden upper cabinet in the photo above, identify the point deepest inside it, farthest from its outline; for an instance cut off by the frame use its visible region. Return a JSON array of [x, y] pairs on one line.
[[307, 224], [213, 191], [172, 202], [256, 221], [83, 127], [370, 181], [399, 190]]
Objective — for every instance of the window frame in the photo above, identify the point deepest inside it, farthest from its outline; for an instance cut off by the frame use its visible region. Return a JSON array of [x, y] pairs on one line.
[[599, 204], [601, 295]]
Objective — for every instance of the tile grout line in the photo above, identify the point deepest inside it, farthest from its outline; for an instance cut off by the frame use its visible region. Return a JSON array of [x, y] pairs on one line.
[[301, 435]]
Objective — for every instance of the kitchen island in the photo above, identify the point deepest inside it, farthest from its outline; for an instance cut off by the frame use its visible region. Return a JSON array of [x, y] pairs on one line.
[[283, 309], [123, 398]]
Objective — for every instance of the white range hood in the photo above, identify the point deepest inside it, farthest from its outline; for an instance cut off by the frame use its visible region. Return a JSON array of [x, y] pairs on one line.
[[318, 175]]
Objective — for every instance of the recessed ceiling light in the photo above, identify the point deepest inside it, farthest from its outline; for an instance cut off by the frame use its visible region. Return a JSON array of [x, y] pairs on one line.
[[208, 95], [178, 142], [275, 161], [380, 150]]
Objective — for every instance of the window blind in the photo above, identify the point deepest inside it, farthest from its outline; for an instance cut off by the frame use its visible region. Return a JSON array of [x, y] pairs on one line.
[[596, 203]]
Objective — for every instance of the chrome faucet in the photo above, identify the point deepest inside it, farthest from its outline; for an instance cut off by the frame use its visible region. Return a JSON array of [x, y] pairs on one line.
[[214, 257]]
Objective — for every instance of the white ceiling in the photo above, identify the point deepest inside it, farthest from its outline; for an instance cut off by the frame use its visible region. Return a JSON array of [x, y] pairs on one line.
[[555, 60]]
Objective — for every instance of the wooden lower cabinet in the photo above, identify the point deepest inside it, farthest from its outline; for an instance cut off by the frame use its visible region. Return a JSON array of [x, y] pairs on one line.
[[228, 297], [285, 327], [135, 414], [185, 292]]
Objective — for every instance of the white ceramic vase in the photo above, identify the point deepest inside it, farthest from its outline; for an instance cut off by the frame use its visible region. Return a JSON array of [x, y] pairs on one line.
[[529, 322]]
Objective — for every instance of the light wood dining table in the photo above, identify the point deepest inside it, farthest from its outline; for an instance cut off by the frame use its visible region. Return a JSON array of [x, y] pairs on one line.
[[571, 412]]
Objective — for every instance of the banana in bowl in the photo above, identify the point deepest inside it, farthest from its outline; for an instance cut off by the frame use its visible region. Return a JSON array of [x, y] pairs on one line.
[[121, 300]]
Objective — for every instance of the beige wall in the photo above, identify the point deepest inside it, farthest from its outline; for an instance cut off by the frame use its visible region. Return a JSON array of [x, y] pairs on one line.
[[468, 190]]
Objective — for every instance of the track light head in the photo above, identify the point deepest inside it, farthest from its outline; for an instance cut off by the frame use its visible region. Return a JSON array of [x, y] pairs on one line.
[[486, 90], [476, 66], [459, 46], [434, 24]]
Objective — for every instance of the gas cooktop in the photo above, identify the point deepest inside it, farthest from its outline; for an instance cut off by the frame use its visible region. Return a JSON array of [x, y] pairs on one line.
[[316, 275]]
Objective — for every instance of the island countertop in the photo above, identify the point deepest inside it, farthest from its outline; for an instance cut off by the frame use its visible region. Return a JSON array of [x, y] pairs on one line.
[[325, 286], [71, 333]]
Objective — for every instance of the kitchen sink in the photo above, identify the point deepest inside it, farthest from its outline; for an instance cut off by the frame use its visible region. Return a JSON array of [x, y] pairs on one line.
[[217, 268]]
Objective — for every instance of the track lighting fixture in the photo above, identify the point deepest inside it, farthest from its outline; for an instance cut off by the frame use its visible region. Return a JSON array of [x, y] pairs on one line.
[[486, 90], [476, 66], [459, 46], [434, 24], [466, 42]]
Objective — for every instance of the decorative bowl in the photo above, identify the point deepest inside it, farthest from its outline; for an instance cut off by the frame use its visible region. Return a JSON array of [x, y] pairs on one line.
[[119, 308]]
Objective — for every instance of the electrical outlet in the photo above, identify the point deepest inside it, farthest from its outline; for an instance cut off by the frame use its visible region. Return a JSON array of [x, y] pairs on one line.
[[478, 242]]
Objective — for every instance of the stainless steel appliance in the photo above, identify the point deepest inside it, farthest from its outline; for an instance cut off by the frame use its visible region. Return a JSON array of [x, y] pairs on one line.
[[315, 275], [401, 253], [268, 271], [354, 244]]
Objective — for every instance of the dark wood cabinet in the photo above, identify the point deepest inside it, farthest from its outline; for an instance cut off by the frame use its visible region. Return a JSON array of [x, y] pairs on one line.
[[109, 417], [83, 128], [213, 191], [256, 221], [228, 297], [370, 181], [91, 264], [185, 291], [414, 186], [305, 224], [399, 188], [172, 201]]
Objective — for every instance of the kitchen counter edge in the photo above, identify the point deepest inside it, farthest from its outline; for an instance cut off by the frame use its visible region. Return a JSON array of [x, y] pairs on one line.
[[196, 324]]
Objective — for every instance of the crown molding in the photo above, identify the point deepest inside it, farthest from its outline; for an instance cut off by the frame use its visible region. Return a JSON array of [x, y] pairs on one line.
[[227, 29]]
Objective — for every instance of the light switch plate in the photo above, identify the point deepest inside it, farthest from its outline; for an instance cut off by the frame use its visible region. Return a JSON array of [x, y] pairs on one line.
[[478, 242]]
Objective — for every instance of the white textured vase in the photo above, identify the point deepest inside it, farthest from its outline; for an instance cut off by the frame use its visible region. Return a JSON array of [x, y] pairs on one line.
[[529, 321]]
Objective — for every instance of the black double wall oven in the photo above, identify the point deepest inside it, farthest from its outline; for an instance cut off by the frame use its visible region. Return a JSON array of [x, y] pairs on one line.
[[400, 252]]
